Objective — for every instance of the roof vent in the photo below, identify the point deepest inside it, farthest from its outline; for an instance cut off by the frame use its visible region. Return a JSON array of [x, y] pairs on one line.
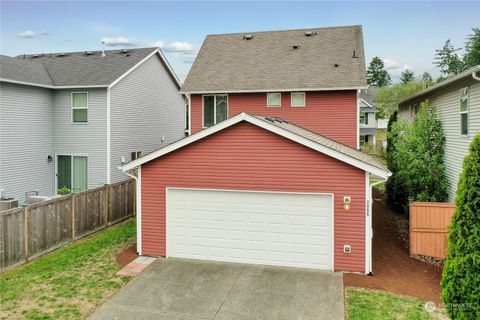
[[336, 65], [88, 53], [35, 56], [247, 37], [354, 54], [124, 51], [310, 33], [296, 46], [61, 55]]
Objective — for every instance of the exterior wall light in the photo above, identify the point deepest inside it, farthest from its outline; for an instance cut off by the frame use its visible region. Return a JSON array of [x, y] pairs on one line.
[[346, 202]]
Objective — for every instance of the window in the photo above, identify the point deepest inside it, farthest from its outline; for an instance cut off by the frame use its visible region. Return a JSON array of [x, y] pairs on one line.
[[136, 155], [214, 109], [298, 99], [274, 99], [363, 140], [72, 172], [464, 111], [79, 107], [363, 118]]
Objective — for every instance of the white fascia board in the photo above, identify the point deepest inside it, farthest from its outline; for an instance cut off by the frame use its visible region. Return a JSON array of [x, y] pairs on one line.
[[162, 57], [267, 126], [52, 86], [275, 90]]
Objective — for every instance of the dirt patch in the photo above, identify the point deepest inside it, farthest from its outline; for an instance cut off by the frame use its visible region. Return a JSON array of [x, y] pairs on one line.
[[393, 269], [127, 255]]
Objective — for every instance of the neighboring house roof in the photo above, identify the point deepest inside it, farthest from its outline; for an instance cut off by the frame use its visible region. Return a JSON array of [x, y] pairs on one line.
[[470, 73], [76, 69], [326, 59], [283, 128], [367, 97]]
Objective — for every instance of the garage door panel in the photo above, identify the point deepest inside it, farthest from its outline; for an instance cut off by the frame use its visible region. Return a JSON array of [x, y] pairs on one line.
[[250, 227]]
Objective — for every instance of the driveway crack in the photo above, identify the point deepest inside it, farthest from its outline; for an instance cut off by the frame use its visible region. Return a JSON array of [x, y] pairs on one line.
[[230, 290]]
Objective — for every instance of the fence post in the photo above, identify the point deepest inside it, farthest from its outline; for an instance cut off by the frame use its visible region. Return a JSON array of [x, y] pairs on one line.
[[73, 217], [25, 231], [106, 205], [410, 229]]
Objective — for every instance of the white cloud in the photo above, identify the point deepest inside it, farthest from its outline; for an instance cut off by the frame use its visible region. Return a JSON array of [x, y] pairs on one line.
[[117, 41], [160, 44], [395, 68], [29, 34], [179, 46]]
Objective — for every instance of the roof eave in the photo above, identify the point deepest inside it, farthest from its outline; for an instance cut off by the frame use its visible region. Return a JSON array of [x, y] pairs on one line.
[[458, 77], [48, 86], [356, 87]]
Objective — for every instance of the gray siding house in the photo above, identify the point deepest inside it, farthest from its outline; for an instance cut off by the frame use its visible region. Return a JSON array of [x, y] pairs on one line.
[[368, 121], [457, 102], [71, 119]]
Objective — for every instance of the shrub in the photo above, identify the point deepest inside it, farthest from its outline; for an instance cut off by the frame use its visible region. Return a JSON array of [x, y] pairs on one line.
[[64, 191], [461, 275], [415, 157]]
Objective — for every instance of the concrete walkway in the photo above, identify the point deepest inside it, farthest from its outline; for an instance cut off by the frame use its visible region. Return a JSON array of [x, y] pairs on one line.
[[179, 289]]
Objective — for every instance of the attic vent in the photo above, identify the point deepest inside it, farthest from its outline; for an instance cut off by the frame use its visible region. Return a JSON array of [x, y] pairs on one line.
[[124, 51], [247, 37], [354, 54], [88, 53], [296, 46], [336, 65], [310, 33]]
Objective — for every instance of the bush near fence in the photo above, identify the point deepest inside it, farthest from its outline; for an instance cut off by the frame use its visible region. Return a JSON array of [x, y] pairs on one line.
[[29, 232], [429, 228]]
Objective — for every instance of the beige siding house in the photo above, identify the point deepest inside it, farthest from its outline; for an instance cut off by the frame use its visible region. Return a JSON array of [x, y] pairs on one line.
[[457, 102]]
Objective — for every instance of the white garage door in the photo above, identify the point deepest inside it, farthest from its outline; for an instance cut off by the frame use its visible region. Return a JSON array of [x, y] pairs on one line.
[[284, 229]]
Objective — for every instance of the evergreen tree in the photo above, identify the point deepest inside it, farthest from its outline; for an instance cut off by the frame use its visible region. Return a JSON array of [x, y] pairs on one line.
[[448, 60], [407, 76], [376, 73], [461, 274], [472, 49], [426, 77]]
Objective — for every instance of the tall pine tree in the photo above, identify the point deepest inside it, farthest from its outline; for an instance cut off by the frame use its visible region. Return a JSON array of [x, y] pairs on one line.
[[376, 73], [407, 76], [472, 49]]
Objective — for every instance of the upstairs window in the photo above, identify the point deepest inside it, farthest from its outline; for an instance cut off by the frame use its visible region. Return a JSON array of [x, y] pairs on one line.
[[215, 109], [298, 99], [464, 111], [79, 107], [363, 118], [274, 99], [135, 155]]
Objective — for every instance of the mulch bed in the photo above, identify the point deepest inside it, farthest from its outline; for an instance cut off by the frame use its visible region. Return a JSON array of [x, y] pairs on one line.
[[127, 255], [393, 269]]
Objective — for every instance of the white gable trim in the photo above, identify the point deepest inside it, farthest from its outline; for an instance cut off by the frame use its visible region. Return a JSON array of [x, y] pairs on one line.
[[267, 126], [50, 86], [368, 104], [164, 60]]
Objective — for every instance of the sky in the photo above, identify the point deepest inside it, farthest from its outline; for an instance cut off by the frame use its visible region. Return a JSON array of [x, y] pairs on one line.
[[404, 34]]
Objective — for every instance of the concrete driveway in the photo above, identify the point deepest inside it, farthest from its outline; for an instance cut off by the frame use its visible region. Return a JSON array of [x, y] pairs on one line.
[[178, 289]]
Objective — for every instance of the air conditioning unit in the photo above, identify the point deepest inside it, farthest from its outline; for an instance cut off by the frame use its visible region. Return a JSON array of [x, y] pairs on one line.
[[8, 203]]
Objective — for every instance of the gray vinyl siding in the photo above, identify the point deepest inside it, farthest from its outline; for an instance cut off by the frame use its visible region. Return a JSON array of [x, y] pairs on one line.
[[447, 103], [88, 139], [26, 138], [456, 147], [144, 106]]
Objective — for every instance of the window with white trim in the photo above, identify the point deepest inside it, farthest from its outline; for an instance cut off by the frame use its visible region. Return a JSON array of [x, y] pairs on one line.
[[79, 107], [274, 99], [135, 155], [215, 109], [298, 99], [464, 111], [363, 118]]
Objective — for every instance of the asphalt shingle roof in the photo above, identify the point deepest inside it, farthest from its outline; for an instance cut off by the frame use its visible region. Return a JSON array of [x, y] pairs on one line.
[[329, 58], [324, 141], [72, 68]]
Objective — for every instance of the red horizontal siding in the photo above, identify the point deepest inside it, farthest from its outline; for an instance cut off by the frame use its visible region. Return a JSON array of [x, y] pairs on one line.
[[250, 158], [332, 114]]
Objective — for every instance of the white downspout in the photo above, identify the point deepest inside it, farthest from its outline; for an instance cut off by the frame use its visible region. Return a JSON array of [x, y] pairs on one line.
[[138, 199], [189, 102]]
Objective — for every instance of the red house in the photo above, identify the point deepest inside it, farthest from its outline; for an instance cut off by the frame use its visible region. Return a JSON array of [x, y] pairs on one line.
[[270, 172]]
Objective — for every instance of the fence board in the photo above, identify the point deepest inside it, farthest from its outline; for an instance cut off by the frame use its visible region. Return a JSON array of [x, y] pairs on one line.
[[54, 223], [429, 228], [11, 238]]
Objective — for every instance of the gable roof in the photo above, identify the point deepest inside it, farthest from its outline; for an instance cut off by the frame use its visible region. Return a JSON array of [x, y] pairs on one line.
[[268, 61], [283, 128], [76, 69], [470, 73]]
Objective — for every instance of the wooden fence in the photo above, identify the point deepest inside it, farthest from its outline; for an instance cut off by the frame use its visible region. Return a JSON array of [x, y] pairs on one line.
[[429, 228], [29, 232]]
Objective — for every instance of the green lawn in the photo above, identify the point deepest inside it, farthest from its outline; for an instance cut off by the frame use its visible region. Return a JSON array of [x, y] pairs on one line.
[[364, 304], [68, 283]]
